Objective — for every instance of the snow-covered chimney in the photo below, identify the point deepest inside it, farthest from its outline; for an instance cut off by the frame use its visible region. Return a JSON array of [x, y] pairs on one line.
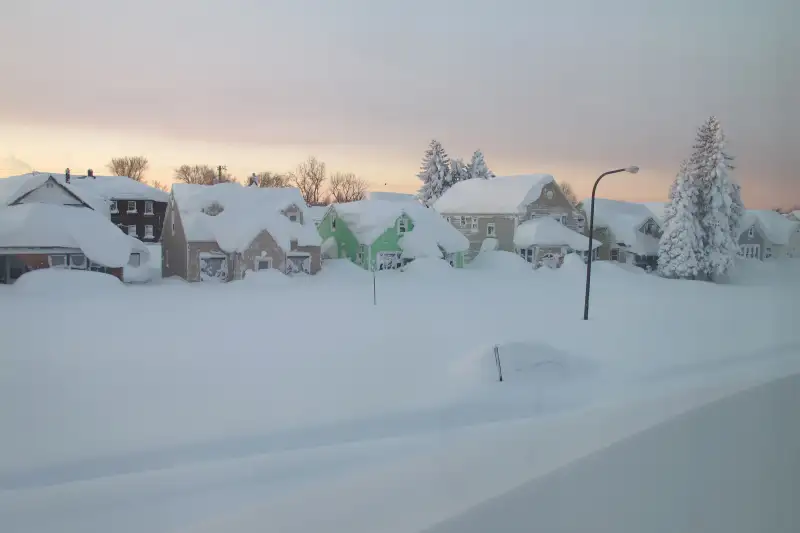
[[66, 175], [90, 173]]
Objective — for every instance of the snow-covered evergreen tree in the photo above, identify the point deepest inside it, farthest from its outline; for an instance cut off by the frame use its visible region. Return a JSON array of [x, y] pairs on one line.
[[458, 170], [680, 252], [434, 173], [477, 168], [718, 218], [669, 209]]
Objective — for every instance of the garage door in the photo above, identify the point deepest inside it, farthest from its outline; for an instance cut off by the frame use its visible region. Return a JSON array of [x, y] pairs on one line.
[[388, 260], [750, 251]]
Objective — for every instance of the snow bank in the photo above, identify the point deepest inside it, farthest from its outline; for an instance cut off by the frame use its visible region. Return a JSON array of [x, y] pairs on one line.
[[265, 278], [546, 231], [341, 270], [489, 244], [369, 219], [59, 226], [500, 261], [246, 212], [506, 194], [427, 267], [574, 263], [52, 281]]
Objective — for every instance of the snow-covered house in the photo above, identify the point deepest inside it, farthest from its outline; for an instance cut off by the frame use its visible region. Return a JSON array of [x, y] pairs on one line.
[[794, 216], [135, 207], [547, 241], [390, 233], [314, 213], [766, 234], [45, 223], [494, 209], [629, 231], [220, 232]]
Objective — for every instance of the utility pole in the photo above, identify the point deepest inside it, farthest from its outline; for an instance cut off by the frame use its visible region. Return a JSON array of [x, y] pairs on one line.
[[220, 168]]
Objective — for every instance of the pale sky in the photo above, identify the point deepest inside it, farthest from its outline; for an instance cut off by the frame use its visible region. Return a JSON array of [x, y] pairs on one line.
[[569, 88]]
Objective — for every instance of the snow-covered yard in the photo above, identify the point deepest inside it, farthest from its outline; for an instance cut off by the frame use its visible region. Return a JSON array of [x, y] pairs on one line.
[[165, 406]]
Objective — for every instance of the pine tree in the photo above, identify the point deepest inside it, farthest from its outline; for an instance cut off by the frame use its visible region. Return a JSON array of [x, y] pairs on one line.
[[669, 209], [458, 170], [434, 173], [680, 252], [477, 168], [718, 218]]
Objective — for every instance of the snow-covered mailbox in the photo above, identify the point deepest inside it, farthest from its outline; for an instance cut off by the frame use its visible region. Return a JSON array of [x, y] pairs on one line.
[[47, 224], [221, 232]]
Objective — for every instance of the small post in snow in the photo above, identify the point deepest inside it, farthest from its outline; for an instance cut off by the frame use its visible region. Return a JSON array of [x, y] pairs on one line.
[[497, 361], [374, 288]]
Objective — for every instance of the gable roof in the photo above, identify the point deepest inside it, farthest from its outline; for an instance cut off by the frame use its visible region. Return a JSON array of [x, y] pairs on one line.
[[247, 211], [369, 219], [624, 220], [106, 187], [657, 208], [774, 226], [507, 194], [546, 231], [37, 225], [15, 188]]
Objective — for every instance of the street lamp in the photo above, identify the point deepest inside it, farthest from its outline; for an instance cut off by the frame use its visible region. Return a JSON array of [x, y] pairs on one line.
[[631, 170]]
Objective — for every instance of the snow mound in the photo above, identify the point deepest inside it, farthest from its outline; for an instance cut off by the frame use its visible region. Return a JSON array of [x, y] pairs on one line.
[[341, 269], [574, 263], [523, 361], [546, 231], [428, 266], [500, 261], [490, 244], [266, 278], [57, 280]]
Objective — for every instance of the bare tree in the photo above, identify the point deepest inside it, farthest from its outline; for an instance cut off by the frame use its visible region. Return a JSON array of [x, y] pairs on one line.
[[273, 179], [309, 178], [160, 186], [566, 188], [347, 187], [201, 175], [133, 167]]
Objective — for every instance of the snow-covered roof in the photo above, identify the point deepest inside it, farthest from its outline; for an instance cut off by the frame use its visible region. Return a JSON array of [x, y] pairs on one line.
[[657, 208], [507, 194], [369, 219], [317, 212], [13, 188], [391, 196], [624, 219], [108, 187], [546, 231], [775, 227], [247, 211], [37, 225]]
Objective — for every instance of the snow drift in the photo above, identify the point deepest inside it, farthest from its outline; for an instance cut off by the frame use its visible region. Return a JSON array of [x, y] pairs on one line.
[[49, 281]]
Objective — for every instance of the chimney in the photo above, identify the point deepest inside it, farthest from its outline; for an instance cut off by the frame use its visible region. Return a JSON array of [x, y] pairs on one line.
[[90, 173], [66, 175]]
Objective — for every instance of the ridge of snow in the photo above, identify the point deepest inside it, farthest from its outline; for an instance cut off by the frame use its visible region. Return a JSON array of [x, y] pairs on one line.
[[59, 226], [777, 228], [369, 219], [247, 211], [545, 231], [104, 187], [504, 194], [391, 196]]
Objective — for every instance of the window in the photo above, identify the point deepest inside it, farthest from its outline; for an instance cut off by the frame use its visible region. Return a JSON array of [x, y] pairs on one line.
[[490, 229], [114, 208], [615, 254], [767, 253], [57, 261], [148, 232], [293, 217], [751, 232], [134, 260], [131, 206], [362, 249], [448, 219], [132, 230], [333, 223], [263, 263], [473, 223], [402, 225], [77, 261], [561, 219], [148, 207], [463, 221]]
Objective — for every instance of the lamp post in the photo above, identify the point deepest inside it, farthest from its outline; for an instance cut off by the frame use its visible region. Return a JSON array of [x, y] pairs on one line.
[[631, 170]]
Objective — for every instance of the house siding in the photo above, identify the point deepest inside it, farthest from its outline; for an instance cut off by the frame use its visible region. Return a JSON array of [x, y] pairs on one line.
[[504, 227], [757, 238], [54, 195], [557, 205], [174, 248], [195, 249], [123, 219], [605, 236], [316, 256], [264, 242]]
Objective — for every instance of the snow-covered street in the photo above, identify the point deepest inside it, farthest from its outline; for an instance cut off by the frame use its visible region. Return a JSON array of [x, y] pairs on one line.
[[240, 407]]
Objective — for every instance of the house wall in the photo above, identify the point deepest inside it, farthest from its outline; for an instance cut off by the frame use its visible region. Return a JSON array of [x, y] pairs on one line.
[[264, 245], [50, 193], [123, 218], [346, 242], [757, 238], [793, 249], [504, 226], [605, 236], [557, 205], [195, 249], [316, 256], [174, 248], [27, 262]]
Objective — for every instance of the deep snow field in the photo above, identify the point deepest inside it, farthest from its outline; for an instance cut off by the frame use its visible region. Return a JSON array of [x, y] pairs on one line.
[[295, 404]]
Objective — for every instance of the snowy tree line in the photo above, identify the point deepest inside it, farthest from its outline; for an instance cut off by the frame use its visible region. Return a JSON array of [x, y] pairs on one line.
[[438, 172], [702, 219]]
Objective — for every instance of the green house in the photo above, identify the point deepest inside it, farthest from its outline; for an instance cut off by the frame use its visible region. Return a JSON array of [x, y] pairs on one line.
[[389, 234]]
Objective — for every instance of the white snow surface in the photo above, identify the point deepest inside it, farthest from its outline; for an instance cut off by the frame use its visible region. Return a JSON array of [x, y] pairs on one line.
[[546, 231], [657, 208], [498, 261], [624, 219], [106, 187], [49, 225], [392, 196], [369, 219], [265, 418], [247, 211], [60, 282], [14, 187], [506, 194], [776, 228]]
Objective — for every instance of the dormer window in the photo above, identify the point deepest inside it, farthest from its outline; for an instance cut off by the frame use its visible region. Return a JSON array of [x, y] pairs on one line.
[[402, 225]]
